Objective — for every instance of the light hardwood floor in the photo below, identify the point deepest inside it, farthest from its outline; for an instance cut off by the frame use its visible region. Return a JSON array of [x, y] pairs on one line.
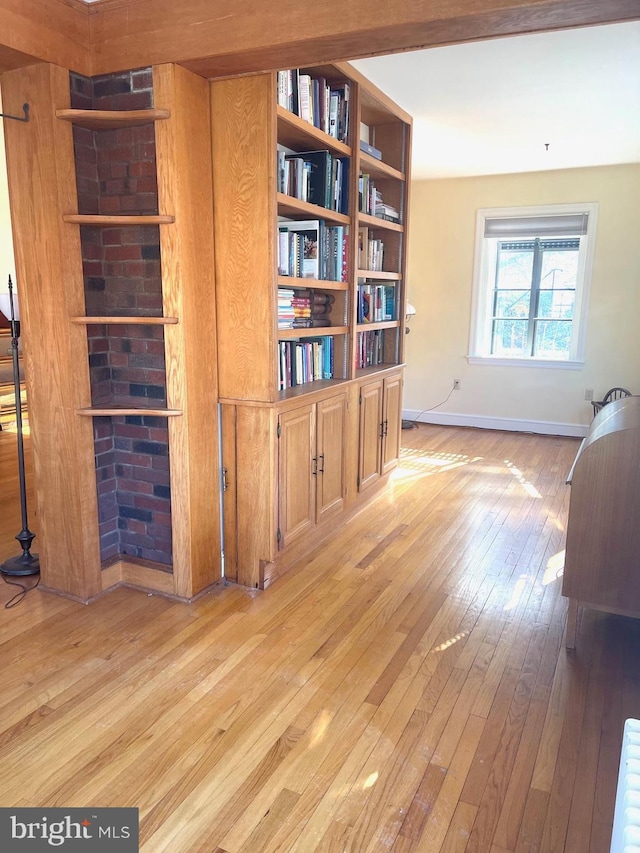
[[406, 689]]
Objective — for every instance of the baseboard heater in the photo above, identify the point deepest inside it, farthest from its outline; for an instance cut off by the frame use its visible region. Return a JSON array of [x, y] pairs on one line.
[[625, 837]]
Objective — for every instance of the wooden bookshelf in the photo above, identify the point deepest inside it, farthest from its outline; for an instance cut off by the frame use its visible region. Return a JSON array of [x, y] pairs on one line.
[[279, 501]]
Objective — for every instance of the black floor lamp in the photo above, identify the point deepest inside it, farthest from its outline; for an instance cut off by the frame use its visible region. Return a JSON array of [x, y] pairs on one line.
[[25, 563]]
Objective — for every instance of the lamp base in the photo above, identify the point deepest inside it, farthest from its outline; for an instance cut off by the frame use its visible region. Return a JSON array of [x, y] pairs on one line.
[[18, 567]]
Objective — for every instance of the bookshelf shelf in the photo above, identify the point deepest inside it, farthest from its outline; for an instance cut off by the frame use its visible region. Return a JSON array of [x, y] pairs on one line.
[[302, 391], [111, 119], [383, 324], [295, 208], [107, 411], [121, 219], [300, 135], [378, 168], [364, 219], [315, 283], [380, 275], [124, 321], [321, 332]]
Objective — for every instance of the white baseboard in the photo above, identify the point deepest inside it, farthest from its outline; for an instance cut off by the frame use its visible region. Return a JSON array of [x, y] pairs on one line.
[[485, 422]]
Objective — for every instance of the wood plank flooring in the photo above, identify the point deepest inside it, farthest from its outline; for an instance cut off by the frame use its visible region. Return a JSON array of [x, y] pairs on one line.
[[406, 689]]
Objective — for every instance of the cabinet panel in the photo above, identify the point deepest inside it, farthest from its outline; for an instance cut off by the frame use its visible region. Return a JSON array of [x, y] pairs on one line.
[[392, 422], [370, 428], [296, 473], [331, 424]]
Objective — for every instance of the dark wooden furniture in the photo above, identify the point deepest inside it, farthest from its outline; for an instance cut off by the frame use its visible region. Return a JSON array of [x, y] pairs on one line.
[[602, 563]]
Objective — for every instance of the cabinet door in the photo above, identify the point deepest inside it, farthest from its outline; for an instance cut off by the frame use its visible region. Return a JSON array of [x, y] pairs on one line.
[[391, 421], [370, 433], [296, 478], [330, 424]]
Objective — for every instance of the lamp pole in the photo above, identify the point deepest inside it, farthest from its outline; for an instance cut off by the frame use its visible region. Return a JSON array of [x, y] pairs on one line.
[[26, 563]]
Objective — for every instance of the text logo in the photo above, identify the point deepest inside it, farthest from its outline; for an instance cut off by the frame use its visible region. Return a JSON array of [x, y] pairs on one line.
[[32, 830]]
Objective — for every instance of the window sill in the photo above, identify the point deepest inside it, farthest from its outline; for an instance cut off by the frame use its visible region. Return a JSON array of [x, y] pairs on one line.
[[498, 361]]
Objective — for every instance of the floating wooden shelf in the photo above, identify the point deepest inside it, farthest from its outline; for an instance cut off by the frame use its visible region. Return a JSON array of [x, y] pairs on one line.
[[376, 222], [99, 219], [381, 275], [111, 119], [128, 320], [296, 282], [378, 169], [298, 134], [294, 207], [323, 331], [97, 411]]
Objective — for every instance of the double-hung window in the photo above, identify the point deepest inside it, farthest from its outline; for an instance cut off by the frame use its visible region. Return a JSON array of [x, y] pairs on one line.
[[531, 281]]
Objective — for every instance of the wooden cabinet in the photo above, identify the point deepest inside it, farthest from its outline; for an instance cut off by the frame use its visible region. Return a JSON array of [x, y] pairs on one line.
[[380, 424], [603, 536], [311, 475]]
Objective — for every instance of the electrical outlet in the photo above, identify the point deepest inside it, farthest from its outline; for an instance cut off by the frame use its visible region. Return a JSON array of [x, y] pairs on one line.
[[588, 394], [456, 384]]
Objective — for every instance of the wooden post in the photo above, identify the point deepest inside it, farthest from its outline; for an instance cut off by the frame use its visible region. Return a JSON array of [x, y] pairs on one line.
[[42, 187]]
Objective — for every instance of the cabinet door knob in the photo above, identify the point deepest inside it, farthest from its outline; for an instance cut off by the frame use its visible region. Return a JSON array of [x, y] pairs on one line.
[[321, 470], [315, 466]]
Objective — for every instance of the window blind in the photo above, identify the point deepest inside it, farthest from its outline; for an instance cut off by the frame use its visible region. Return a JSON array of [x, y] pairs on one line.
[[562, 225]]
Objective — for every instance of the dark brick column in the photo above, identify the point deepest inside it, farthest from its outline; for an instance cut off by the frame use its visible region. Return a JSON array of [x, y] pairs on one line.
[[116, 174]]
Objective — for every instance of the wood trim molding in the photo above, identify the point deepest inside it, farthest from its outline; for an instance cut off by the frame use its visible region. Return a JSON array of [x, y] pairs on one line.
[[114, 35]]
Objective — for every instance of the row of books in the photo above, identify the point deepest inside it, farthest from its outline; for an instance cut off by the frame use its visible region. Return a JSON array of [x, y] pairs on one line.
[[370, 349], [305, 361], [312, 249], [315, 100], [370, 201], [303, 309], [370, 252], [315, 176], [376, 303]]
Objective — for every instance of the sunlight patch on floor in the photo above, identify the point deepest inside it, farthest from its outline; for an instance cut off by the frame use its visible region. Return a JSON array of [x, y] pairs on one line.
[[443, 646], [370, 781], [554, 569], [414, 464], [516, 593], [529, 488]]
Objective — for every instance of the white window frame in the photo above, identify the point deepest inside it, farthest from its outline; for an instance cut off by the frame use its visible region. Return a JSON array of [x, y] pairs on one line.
[[484, 265]]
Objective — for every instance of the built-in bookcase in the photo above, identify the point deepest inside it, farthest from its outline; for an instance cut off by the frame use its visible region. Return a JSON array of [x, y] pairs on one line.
[[287, 167]]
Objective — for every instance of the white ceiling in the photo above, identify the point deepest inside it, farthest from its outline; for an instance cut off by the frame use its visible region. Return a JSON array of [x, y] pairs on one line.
[[490, 107]]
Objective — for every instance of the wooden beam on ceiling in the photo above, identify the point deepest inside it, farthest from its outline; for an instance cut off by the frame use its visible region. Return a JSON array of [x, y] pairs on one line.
[[55, 31], [214, 38]]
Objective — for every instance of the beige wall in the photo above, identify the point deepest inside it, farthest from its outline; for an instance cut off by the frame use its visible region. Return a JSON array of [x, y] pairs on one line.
[[7, 263], [440, 274]]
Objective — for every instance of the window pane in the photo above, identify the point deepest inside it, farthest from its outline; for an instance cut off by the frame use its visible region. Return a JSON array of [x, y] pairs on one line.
[[510, 338], [559, 269], [552, 338], [514, 269], [556, 304], [512, 303]]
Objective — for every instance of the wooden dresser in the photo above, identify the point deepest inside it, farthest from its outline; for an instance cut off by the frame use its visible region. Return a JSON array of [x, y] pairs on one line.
[[602, 563]]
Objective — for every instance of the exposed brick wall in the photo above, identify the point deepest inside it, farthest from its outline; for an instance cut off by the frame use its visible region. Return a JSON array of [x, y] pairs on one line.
[[116, 174]]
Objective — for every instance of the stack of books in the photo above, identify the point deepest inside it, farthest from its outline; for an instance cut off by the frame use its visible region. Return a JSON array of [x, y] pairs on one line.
[[370, 349], [305, 361], [303, 309], [311, 249], [376, 303], [370, 252], [316, 177], [316, 101]]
